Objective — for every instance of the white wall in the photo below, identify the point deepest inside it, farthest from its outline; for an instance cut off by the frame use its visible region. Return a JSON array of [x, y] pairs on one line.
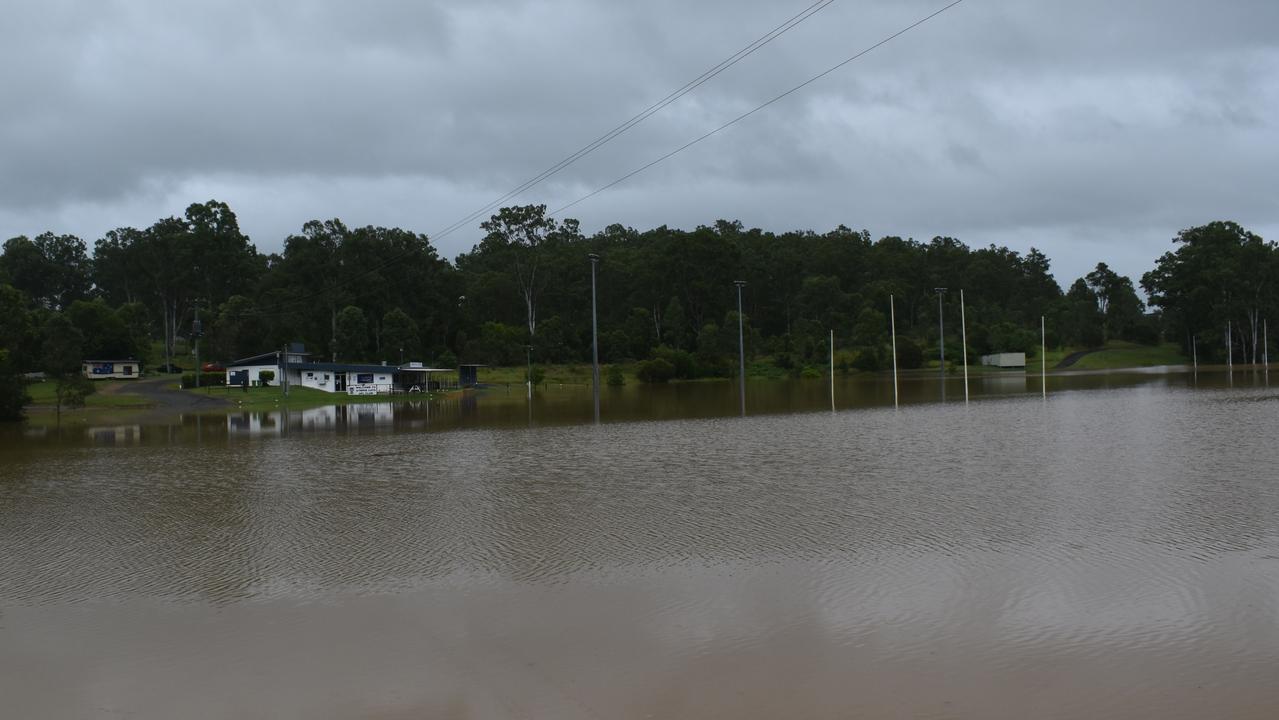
[[317, 379], [255, 378], [381, 380]]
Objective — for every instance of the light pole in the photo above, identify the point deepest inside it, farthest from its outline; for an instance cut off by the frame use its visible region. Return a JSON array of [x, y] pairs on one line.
[[197, 330], [741, 348], [528, 354], [595, 340], [941, 331]]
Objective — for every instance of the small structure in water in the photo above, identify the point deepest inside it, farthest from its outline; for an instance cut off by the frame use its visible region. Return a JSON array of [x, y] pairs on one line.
[[1005, 360]]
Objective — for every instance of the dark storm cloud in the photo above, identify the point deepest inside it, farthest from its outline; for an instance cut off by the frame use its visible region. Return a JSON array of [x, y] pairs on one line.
[[1092, 130]]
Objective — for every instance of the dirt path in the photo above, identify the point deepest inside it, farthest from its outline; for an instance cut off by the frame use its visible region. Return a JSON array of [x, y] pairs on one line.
[[164, 396], [1074, 357]]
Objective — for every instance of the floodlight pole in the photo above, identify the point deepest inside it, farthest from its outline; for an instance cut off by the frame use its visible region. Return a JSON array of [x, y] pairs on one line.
[[941, 331], [1043, 357], [741, 348], [832, 371], [963, 328], [595, 340], [196, 332], [892, 320]]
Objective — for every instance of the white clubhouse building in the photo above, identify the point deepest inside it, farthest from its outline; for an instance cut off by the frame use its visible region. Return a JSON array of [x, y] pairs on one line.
[[270, 369]]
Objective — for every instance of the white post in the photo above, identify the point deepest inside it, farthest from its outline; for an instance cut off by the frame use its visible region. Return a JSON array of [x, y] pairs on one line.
[[832, 371], [595, 342], [963, 328], [1194, 351], [1230, 348], [1043, 358], [892, 315], [1265, 346]]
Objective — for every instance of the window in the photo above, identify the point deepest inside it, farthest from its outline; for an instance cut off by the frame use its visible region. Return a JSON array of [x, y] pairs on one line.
[[311, 375], [127, 370], [364, 378]]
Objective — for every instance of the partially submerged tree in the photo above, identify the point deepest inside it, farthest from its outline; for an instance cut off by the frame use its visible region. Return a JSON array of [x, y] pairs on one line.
[[62, 353]]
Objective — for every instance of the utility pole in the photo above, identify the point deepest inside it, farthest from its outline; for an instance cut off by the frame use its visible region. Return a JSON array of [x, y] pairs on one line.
[[963, 330], [284, 369], [1043, 357], [941, 332], [741, 348], [1230, 349], [832, 371], [595, 340], [528, 351], [196, 331], [892, 319]]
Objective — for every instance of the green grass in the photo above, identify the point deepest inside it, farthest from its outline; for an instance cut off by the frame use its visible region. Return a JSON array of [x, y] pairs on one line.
[[108, 395], [1126, 355], [574, 374]]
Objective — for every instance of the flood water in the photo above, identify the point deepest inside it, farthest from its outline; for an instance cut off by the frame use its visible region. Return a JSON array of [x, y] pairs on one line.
[[1111, 550]]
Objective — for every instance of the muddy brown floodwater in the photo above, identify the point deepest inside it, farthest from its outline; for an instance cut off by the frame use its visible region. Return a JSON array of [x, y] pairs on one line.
[[1109, 552]]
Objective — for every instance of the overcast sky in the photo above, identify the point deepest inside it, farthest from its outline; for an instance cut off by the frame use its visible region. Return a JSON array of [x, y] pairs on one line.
[[1092, 130]]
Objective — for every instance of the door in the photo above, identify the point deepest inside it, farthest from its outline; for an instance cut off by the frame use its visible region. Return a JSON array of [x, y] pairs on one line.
[[339, 382]]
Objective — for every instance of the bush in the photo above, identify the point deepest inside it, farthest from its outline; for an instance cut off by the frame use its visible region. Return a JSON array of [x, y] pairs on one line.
[[681, 360], [206, 379], [13, 390], [656, 370], [868, 360], [909, 355], [615, 377], [264, 377]]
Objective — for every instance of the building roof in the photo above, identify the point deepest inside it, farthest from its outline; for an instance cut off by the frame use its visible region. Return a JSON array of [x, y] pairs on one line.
[[343, 367], [126, 360], [272, 356], [419, 367], [266, 358]]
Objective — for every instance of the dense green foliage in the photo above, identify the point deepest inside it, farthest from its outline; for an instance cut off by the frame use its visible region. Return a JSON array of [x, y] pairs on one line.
[[13, 390], [1219, 282], [666, 296]]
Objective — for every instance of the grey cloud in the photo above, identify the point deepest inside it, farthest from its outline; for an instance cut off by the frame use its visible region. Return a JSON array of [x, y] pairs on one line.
[[1083, 128]]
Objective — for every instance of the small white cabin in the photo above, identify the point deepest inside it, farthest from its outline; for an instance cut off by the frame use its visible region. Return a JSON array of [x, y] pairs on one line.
[[111, 369], [1005, 360]]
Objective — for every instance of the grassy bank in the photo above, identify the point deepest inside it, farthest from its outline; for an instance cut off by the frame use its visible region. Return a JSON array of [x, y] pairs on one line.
[[1119, 355], [106, 395]]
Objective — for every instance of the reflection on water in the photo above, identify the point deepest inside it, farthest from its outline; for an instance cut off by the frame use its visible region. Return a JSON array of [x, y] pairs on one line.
[[508, 407], [1101, 554]]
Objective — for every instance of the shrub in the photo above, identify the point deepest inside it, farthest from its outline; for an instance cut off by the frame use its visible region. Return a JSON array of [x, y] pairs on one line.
[[681, 360], [264, 376], [868, 360], [909, 355], [615, 377], [656, 370]]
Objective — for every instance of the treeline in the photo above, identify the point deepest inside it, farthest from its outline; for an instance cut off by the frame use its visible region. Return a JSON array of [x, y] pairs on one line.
[[374, 294]]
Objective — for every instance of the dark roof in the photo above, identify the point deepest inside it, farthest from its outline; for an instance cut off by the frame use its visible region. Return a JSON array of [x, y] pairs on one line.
[[128, 360], [274, 355], [344, 367]]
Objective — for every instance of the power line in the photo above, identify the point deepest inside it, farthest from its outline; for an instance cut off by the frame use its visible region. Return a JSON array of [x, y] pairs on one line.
[[644, 114], [756, 109], [590, 147]]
